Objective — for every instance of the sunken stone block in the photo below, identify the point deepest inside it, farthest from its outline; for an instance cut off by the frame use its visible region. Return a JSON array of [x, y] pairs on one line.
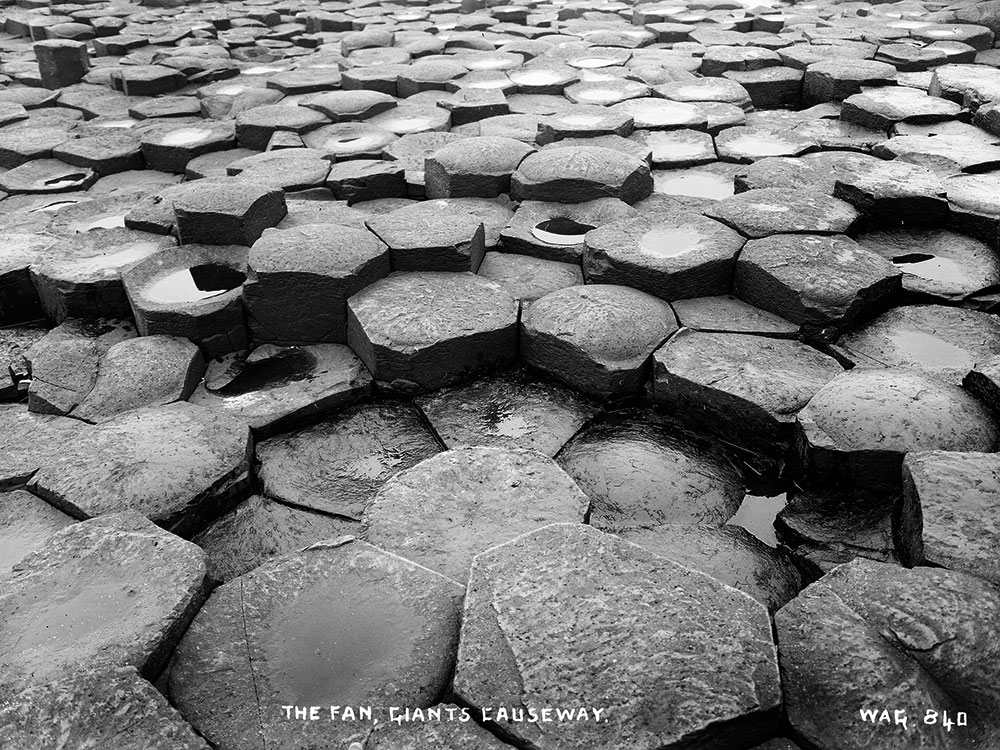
[[259, 529], [335, 467], [340, 620], [299, 281], [597, 338], [659, 612], [508, 410], [640, 471], [144, 371], [231, 212], [445, 510], [110, 592], [424, 330], [106, 707], [729, 554]]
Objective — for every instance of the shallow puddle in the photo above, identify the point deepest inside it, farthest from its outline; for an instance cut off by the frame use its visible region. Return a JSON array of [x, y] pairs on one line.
[[670, 242], [288, 366], [757, 514], [195, 283], [561, 230], [185, 136], [694, 185], [932, 268]]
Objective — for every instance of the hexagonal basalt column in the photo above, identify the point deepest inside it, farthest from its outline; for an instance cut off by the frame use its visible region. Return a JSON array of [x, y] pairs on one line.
[[424, 237], [856, 429], [194, 292], [300, 279], [684, 255], [448, 508], [420, 331], [227, 212], [579, 174], [340, 623], [109, 592], [109, 707], [742, 388], [473, 167], [640, 471], [179, 465], [597, 338], [822, 283], [881, 635], [568, 613]]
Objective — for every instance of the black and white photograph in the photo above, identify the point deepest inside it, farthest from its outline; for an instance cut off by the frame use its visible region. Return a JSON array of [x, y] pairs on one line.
[[499, 375]]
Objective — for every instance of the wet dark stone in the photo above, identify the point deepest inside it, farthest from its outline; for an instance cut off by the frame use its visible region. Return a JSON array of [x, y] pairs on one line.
[[509, 410], [110, 592], [282, 632], [19, 300], [638, 471], [337, 465], [728, 554], [259, 529]]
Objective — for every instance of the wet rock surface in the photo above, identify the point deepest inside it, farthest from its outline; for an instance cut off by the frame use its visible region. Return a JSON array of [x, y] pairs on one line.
[[708, 257], [109, 592], [639, 472], [340, 623]]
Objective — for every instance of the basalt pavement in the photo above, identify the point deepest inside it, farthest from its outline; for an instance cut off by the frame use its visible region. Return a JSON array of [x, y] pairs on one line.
[[557, 375]]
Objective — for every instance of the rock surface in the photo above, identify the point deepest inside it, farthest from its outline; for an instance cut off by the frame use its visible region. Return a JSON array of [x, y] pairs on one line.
[[340, 623], [570, 615], [109, 592]]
